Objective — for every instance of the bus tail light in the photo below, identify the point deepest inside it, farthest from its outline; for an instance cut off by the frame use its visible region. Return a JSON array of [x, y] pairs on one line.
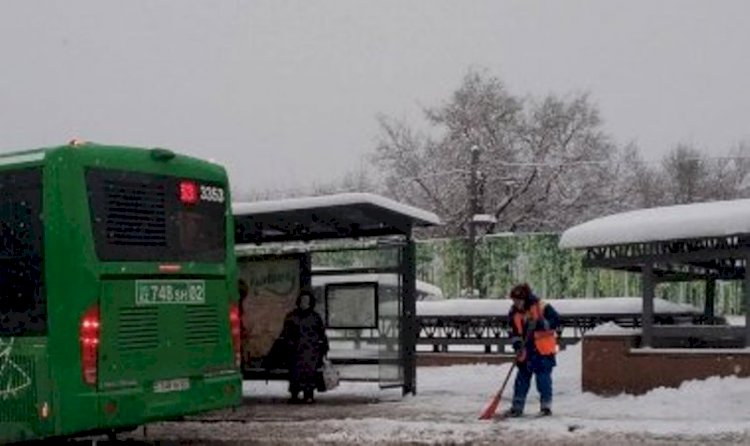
[[234, 323], [89, 337]]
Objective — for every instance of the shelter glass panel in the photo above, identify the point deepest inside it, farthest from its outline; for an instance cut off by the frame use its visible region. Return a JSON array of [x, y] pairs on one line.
[[390, 365], [352, 305]]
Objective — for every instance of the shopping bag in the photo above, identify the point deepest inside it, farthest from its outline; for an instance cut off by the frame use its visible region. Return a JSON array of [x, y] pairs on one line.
[[330, 375]]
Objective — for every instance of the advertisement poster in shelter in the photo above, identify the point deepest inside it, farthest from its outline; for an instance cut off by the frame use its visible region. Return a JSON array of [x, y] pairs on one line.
[[273, 286]]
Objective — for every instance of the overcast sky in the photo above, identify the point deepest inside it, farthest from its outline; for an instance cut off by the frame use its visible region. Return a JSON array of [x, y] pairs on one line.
[[285, 93]]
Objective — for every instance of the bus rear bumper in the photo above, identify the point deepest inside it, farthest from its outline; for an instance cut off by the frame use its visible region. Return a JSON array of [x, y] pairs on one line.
[[158, 402]]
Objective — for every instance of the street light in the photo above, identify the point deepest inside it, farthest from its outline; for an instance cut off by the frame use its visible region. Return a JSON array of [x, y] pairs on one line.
[[484, 219], [477, 217], [474, 210]]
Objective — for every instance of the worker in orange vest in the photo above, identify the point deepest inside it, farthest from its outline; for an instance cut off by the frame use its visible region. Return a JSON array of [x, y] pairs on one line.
[[533, 331]]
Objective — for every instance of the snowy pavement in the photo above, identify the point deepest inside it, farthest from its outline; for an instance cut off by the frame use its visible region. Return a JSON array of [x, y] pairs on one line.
[[449, 400]]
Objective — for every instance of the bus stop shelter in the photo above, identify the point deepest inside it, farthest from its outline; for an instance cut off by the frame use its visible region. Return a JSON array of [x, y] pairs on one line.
[[706, 242], [287, 245]]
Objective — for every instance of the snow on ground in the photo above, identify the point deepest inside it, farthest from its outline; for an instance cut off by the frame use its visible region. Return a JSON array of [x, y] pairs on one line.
[[457, 394], [736, 321], [612, 329], [449, 400]]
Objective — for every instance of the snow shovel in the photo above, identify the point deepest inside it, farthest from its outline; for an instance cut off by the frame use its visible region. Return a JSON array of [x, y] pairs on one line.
[[491, 408]]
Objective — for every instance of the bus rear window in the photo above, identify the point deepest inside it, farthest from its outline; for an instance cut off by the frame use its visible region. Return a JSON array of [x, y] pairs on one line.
[[22, 303], [143, 217]]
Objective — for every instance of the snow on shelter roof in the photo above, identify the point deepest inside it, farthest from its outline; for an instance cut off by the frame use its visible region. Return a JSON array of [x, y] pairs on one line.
[[328, 216], [688, 221]]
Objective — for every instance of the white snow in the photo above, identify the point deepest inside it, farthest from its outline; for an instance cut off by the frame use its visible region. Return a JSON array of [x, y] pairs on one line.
[[429, 291], [422, 216], [736, 321], [17, 158], [612, 329], [601, 305], [718, 218], [449, 400]]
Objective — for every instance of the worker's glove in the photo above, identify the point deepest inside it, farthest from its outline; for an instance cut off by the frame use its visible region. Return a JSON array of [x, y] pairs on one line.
[[517, 345]]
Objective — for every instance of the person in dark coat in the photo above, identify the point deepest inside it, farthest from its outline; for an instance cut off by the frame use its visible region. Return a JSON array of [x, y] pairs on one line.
[[534, 325], [307, 345]]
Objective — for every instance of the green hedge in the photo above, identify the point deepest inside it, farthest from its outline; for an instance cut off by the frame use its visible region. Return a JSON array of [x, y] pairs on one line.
[[504, 260]]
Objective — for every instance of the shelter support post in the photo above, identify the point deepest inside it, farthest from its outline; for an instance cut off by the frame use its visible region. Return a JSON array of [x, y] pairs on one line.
[[648, 285], [746, 301], [709, 307], [409, 316]]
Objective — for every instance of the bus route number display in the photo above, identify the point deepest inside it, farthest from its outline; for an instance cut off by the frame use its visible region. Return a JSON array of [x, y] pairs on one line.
[[156, 292]]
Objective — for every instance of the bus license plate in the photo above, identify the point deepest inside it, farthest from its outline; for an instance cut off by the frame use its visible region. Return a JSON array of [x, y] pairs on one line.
[[156, 292], [171, 385]]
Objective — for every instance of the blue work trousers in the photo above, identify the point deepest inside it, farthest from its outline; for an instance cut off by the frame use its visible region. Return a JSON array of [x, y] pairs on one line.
[[523, 382]]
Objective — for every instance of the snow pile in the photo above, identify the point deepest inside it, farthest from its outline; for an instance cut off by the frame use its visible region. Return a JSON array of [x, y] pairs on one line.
[[449, 399], [736, 321], [612, 329]]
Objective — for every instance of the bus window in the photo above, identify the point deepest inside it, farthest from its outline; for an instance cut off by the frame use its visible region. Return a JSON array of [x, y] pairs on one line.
[[22, 302], [201, 233], [141, 217]]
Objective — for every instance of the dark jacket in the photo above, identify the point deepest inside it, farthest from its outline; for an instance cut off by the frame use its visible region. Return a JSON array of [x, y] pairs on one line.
[[524, 338], [307, 344]]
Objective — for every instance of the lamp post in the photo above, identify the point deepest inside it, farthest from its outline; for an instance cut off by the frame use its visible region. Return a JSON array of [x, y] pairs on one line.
[[473, 210]]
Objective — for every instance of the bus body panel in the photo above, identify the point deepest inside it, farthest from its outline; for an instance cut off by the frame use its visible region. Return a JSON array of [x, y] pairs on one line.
[[75, 279], [25, 393], [136, 406], [152, 339], [72, 288]]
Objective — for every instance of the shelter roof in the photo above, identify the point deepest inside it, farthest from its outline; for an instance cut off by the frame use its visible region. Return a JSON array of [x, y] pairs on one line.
[[690, 221], [348, 215]]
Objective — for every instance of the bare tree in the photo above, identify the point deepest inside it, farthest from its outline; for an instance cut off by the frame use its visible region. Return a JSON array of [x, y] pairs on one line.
[[568, 163], [542, 163], [686, 175], [532, 164], [641, 184], [729, 176]]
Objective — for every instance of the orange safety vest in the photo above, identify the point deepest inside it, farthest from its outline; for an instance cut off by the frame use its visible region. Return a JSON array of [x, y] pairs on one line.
[[545, 341]]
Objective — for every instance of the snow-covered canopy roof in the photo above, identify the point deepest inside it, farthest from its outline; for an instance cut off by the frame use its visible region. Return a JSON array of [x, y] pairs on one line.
[[347, 215], [690, 221]]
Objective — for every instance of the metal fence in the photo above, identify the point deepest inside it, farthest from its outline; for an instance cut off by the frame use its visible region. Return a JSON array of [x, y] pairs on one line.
[[489, 334]]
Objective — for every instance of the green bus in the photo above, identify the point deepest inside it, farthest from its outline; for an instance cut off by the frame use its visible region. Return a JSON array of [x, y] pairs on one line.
[[118, 295]]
